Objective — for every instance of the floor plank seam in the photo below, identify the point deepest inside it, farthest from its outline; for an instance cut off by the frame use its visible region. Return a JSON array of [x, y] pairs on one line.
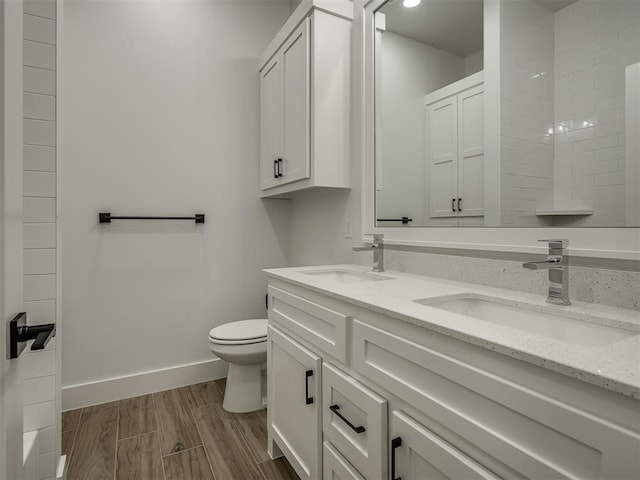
[[204, 447], [244, 440], [159, 429], [75, 436], [182, 451], [115, 447], [138, 435]]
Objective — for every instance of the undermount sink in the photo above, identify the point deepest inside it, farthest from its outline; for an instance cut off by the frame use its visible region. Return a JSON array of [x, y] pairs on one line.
[[340, 275], [532, 319]]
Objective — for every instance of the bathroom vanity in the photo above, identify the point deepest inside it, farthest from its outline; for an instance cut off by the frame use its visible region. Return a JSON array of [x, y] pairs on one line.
[[393, 375]]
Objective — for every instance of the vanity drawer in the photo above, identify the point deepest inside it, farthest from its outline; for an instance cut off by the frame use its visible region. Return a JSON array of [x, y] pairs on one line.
[[419, 453], [450, 384], [354, 419], [335, 465], [318, 325]]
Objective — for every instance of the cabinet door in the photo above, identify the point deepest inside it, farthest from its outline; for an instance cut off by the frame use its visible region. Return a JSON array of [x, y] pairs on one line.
[[295, 105], [442, 157], [270, 123], [294, 421], [420, 454], [354, 419], [471, 152]]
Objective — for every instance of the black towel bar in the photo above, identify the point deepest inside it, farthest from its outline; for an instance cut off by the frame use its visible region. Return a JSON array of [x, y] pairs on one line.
[[404, 220], [106, 217]]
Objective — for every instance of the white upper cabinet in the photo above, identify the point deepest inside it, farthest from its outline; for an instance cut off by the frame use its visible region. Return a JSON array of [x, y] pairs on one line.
[[304, 101], [455, 153], [270, 123], [295, 101]]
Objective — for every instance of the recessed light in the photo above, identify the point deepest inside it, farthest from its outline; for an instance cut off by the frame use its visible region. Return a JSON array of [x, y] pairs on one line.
[[411, 3]]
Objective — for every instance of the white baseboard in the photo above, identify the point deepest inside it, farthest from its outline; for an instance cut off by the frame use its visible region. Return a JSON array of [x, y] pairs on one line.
[[127, 386]]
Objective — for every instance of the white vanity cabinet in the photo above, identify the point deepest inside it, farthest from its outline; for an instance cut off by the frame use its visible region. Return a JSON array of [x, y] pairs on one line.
[[294, 406], [455, 152], [489, 412], [304, 101], [418, 453], [416, 404], [306, 329]]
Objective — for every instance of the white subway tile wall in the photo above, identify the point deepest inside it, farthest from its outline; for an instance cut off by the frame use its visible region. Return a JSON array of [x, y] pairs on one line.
[[39, 235], [595, 41], [41, 311], [39, 158], [39, 255], [526, 175], [563, 109], [38, 80]]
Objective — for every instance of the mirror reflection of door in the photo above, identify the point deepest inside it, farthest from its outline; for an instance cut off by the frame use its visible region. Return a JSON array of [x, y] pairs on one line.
[[563, 76]]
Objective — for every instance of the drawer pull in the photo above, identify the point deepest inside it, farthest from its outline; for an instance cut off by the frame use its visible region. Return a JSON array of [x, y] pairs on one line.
[[335, 408], [307, 399], [395, 443]]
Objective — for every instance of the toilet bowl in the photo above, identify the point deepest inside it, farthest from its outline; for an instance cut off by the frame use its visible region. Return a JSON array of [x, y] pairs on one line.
[[243, 344]]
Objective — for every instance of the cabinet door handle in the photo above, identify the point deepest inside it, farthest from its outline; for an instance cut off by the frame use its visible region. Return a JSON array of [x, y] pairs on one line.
[[275, 169], [359, 429], [307, 399], [459, 204], [453, 204], [395, 443], [279, 161]]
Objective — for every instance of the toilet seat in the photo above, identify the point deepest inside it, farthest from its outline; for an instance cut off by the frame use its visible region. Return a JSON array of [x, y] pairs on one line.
[[243, 332]]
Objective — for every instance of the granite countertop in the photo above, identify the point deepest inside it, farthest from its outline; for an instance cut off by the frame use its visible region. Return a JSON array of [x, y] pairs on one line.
[[614, 366]]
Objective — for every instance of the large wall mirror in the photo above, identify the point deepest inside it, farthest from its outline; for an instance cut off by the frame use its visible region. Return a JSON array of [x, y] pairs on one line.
[[562, 146]]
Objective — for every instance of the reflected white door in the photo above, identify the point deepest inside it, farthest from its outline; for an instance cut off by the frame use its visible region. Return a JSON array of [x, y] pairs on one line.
[[11, 438]]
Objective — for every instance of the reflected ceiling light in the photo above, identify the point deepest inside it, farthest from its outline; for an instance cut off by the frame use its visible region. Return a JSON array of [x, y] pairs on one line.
[[411, 3]]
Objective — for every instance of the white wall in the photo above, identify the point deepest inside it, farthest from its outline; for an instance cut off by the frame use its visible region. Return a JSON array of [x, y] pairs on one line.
[[595, 41], [161, 117], [317, 233], [409, 70], [473, 63]]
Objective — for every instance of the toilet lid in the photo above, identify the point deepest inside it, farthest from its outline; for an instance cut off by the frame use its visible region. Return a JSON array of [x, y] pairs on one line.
[[243, 330]]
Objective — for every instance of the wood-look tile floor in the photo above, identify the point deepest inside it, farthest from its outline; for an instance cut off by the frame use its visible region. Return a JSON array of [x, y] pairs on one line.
[[172, 435]]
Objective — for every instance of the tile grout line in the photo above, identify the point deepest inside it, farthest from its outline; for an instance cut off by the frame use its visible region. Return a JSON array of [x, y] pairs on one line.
[[38, 41], [204, 447], [244, 440], [73, 442], [155, 414], [137, 435], [36, 15], [182, 451], [115, 446], [202, 444]]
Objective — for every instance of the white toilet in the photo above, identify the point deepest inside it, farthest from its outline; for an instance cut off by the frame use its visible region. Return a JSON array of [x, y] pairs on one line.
[[244, 345]]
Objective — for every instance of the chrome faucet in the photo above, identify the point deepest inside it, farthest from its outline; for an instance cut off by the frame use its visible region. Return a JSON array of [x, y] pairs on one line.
[[558, 265], [378, 252]]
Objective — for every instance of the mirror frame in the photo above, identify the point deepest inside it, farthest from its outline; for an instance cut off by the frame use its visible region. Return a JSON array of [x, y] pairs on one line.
[[621, 243]]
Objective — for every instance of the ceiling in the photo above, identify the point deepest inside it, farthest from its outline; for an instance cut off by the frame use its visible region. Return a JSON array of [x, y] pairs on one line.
[[431, 23], [455, 26], [555, 5]]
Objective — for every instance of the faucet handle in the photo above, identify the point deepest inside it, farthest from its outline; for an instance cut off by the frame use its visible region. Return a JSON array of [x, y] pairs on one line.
[[557, 243]]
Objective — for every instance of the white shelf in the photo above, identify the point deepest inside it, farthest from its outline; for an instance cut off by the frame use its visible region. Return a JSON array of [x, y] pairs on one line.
[[576, 212]]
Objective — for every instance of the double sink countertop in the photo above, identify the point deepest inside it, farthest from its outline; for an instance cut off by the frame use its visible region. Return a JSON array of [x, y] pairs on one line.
[[612, 364]]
